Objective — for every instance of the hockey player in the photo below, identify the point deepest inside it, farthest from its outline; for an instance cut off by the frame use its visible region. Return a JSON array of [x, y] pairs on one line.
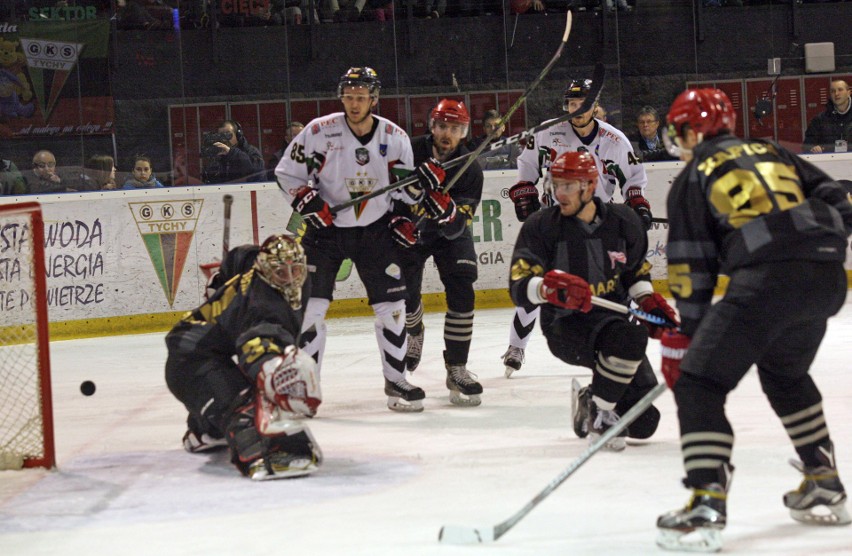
[[345, 155], [778, 227], [618, 168], [445, 236], [563, 255], [256, 405]]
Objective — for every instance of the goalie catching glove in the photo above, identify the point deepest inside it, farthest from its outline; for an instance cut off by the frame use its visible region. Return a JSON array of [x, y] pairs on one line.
[[291, 382], [314, 210], [655, 304], [525, 196], [567, 291], [639, 203]]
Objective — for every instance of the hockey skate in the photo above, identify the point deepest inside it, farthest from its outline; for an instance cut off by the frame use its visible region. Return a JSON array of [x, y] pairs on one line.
[[282, 465], [580, 399], [598, 421], [513, 359], [464, 389], [698, 526], [195, 443], [820, 488], [415, 347], [404, 396]]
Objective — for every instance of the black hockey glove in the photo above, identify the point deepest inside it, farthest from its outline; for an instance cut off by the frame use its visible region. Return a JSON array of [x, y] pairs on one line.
[[403, 231], [637, 202], [311, 206], [525, 196], [439, 206]]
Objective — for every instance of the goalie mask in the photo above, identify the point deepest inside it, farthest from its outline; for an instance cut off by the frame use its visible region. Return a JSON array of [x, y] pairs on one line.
[[360, 77], [281, 263], [708, 112]]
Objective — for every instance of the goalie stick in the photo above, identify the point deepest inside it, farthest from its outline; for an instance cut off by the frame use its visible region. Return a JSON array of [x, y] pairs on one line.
[[459, 534]]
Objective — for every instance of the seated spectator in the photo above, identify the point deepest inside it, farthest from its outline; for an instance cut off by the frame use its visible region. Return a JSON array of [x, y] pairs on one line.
[[142, 176], [43, 178], [98, 173], [378, 10], [430, 9], [649, 138], [830, 130], [500, 159], [293, 129], [180, 172], [231, 160], [341, 10], [11, 180], [600, 112]]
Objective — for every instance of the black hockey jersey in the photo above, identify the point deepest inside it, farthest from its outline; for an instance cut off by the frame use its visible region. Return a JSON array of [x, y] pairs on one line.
[[246, 317], [739, 203], [609, 253]]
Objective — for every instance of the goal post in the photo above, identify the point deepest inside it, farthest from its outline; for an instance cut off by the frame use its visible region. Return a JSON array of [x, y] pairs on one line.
[[26, 408]]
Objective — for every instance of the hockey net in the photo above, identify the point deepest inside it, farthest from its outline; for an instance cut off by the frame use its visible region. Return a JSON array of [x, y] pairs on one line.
[[26, 420]]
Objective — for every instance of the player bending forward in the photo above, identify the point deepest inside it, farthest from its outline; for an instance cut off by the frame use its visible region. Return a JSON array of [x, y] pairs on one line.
[[563, 254], [617, 166], [778, 227], [256, 406]]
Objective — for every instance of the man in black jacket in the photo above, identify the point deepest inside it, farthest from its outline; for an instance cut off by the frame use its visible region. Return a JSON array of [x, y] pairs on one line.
[[649, 139], [830, 130], [232, 160]]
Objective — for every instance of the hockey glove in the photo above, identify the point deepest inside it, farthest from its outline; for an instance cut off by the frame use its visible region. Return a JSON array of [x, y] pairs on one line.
[[673, 346], [291, 382], [525, 196], [439, 206], [403, 231], [640, 204], [655, 304], [311, 206], [430, 175], [567, 291]]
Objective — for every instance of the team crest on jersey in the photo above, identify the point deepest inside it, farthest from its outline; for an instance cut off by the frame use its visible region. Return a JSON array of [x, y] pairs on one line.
[[358, 186], [388, 129], [362, 156], [383, 150], [315, 129], [616, 257]]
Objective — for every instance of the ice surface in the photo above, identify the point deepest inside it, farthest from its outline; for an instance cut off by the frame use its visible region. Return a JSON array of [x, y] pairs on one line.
[[390, 481]]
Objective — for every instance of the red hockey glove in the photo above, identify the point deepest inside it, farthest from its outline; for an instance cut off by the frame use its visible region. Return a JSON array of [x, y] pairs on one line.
[[637, 202], [313, 209], [567, 291], [655, 304], [430, 175], [673, 346], [525, 196], [439, 206], [403, 231], [291, 382]]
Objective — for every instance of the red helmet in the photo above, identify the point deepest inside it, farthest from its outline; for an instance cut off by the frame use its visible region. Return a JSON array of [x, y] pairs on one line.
[[707, 111], [451, 111], [574, 165]]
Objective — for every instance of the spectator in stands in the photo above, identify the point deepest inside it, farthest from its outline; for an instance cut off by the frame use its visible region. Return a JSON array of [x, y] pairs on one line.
[[11, 180], [831, 129], [233, 159], [600, 112], [137, 14], [500, 159], [293, 129], [142, 176], [649, 138], [341, 10], [98, 174], [430, 9], [378, 10], [180, 172], [43, 178]]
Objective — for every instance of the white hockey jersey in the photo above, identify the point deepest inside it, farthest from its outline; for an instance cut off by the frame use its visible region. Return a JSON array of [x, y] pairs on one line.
[[617, 165], [328, 155]]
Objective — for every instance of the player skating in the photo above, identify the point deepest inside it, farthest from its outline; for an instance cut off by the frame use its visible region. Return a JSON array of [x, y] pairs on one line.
[[256, 405], [778, 227], [444, 235], [345, 155], [563, 254], [617, 166]]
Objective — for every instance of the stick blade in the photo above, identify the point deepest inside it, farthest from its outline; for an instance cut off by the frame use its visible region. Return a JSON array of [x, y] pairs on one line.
[[459, 534]]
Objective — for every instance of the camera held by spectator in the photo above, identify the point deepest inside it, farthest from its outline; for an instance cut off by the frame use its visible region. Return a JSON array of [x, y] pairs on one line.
[[215, 143]]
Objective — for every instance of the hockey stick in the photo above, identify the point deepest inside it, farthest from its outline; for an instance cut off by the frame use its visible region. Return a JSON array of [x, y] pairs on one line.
[[226, 231], [619, 308], [459, 534]]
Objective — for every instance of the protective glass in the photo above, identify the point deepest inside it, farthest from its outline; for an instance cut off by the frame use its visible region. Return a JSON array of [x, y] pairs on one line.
[[672, 141]]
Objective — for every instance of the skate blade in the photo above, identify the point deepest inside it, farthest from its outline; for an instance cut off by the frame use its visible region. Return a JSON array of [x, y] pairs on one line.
[[458, 534], [410, 366], [700, 539], [836, 515], [296, 468], [457, 398], [402, 406], [508, 371], [617, 444]]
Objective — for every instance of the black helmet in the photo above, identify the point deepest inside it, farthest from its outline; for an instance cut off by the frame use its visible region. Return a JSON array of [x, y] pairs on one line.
[[577, 88], [360, 77]]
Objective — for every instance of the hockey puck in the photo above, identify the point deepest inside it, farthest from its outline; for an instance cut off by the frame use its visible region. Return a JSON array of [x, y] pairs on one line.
[[87, 387]]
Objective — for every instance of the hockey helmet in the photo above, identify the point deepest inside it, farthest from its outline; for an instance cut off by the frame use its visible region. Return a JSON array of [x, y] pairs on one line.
[[707, 111], [451, 111], [282, 264], [360, 77], [574, 165], [577, 88]]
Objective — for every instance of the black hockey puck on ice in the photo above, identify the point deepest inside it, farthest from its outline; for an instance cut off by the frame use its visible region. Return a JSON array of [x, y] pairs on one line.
[[87, 387]]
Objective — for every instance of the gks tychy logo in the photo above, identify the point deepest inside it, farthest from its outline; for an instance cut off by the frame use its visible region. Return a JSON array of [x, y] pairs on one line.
[[167, 228], [46, 57]]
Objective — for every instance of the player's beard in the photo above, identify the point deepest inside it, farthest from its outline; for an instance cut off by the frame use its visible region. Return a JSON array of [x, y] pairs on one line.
[[361, 118]]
